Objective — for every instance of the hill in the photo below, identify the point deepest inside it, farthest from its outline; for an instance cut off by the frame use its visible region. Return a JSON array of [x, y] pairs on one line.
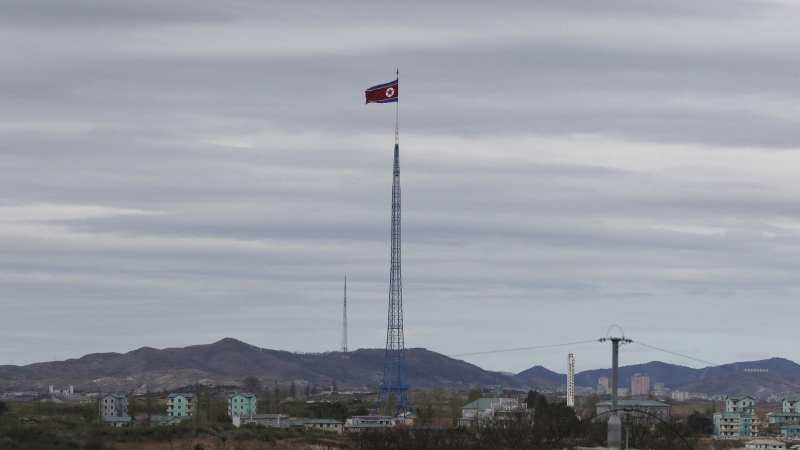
[[672, 375], [229, 361], [759, 385]]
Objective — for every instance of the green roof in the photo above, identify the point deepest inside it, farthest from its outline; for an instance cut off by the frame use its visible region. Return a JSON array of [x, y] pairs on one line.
[[114, 395], [184, 394], [243, 394], [633, 403], [369, 425], [168, 418], [297, 423], [123, 419]]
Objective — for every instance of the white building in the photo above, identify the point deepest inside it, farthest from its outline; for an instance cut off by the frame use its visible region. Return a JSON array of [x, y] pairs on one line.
[[490, 408], [765, 444], [268, 420], [113, 405]]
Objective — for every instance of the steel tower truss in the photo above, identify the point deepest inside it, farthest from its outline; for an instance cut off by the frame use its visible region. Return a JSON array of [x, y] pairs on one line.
[[395, 388]]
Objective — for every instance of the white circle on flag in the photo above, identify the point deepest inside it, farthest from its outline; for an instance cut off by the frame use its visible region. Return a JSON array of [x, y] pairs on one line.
[[390, 92]]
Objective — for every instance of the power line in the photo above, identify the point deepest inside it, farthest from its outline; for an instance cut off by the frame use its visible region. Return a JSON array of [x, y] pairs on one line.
[[523, 348], [676, 354], [720, 366]]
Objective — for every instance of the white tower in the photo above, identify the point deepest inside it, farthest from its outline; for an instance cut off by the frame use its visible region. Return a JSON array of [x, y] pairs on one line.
[[570, 380]]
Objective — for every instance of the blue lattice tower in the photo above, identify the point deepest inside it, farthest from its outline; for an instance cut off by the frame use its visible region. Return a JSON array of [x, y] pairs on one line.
[[395, 382]]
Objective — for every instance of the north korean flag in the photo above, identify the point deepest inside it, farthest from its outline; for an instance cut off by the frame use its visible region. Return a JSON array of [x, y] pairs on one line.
[[382, 93]]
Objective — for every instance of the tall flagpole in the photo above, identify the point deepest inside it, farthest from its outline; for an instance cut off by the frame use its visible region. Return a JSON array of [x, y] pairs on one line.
[[394, 396]]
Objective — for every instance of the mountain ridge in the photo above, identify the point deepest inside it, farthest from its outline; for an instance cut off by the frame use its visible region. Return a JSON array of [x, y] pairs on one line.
[[229, 361]]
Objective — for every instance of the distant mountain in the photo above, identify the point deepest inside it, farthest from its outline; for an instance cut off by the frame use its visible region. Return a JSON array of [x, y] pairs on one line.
[[682, 377], [759, 385], [540, 378], [541, 373], [229, 361], [670, 374]]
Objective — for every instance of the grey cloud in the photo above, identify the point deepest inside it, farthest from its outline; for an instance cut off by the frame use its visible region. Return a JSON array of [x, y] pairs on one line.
[[265, 180]]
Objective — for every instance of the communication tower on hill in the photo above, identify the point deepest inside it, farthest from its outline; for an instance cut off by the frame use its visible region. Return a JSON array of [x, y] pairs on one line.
[[344, 320]]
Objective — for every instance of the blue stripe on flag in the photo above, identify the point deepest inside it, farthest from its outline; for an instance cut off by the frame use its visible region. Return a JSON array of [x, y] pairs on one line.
[[383, 85], [391, 100]]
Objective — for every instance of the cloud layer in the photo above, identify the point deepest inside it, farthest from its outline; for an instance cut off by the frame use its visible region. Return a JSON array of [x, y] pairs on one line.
[[177, 173]]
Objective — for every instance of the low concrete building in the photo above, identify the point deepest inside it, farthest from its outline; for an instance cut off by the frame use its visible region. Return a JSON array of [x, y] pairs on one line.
[[117, 421], [166, 420], [360, 427], [484, 409], [326, 425], [765, 444], [242, 403], [268, 420], [298, 423], [113, 405], [380, 420], [635, 410]]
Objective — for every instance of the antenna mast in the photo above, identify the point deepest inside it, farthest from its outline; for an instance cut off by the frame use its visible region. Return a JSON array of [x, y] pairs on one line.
[[344, 320]]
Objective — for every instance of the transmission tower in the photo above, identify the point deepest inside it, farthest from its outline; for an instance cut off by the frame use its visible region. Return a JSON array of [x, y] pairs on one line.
[[394, 387], [344, 320]]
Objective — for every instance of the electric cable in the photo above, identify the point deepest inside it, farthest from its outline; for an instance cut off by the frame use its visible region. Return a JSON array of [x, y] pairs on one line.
[[522, 348]]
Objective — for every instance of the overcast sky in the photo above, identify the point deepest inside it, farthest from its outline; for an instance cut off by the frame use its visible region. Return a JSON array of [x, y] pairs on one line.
[[178, 172]]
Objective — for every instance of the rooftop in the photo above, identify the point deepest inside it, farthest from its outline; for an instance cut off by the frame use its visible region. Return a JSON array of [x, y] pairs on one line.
[[486, 403], [324, 421], [114, 395], [766, 441], [243, 394], [369, 425], [183, 394], [634, 403], [116, 419]]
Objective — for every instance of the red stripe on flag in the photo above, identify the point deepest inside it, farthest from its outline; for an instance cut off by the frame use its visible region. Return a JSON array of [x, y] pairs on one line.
[[384, 93]]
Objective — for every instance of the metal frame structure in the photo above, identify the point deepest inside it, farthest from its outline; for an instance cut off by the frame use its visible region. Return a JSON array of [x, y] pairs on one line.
[[395, 380]]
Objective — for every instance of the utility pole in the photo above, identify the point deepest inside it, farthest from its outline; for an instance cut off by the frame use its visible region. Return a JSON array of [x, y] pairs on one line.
[[614, 422]]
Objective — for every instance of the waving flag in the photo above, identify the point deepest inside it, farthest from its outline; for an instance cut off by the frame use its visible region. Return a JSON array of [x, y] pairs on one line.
[[382, 93]]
